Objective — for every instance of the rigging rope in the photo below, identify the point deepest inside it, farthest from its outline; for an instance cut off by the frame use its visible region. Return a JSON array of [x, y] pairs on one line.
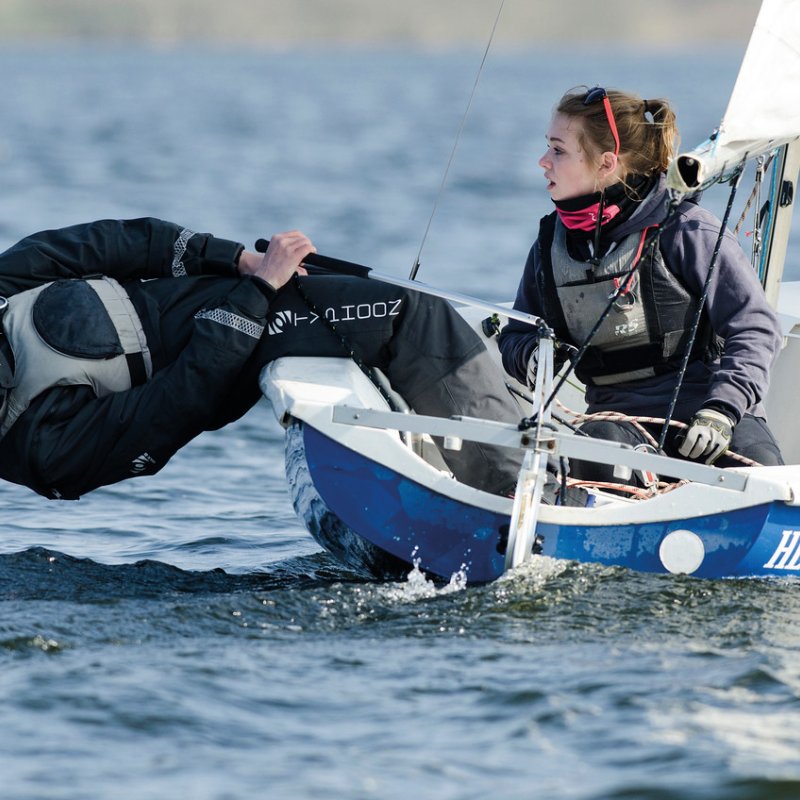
[[638, 422], [759, 214], [755, 195], [621, 288], [701, 303], [579, 417], [412, 276]]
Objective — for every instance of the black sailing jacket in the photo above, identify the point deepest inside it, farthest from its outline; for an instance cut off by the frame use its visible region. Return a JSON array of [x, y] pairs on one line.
[[200, 380]]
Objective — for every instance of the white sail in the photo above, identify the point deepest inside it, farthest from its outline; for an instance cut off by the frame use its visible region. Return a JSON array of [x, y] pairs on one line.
[[764, 109]]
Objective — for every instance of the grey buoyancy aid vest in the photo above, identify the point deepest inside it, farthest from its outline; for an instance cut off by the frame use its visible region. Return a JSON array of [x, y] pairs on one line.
[[647, 329], [73, 332]]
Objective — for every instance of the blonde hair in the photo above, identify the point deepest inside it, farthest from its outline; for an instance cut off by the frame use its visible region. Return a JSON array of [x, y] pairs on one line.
[[648, 133]]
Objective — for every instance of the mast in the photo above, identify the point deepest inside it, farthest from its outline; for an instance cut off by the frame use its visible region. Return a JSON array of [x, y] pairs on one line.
[[783, 193]]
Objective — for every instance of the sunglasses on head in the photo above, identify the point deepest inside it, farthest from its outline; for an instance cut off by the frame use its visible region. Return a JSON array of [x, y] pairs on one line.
[[599, 93]]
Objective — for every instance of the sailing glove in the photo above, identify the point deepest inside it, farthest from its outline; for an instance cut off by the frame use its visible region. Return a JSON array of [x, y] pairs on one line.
[[533, 365], [562, 353], [708, 436]]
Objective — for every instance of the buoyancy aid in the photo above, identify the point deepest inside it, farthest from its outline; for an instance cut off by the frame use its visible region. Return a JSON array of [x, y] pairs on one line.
[[647, 330], [74, 331]]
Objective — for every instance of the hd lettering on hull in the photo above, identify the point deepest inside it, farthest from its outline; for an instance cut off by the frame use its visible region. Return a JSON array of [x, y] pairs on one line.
[[281, 320], [787, 553]]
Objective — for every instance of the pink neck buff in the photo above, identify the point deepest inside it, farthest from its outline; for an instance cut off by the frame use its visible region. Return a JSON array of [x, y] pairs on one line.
[[585, 219]]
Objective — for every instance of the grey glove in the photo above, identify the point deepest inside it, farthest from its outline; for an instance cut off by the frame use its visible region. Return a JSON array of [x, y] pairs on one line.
[[562, 353], [533, 364], [709, 435]]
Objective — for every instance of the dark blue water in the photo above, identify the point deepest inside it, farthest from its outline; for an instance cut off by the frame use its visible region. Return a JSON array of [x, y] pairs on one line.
[[182, 636]]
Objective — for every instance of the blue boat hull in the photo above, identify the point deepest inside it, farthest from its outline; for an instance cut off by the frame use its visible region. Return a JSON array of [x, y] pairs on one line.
[[379, 521]]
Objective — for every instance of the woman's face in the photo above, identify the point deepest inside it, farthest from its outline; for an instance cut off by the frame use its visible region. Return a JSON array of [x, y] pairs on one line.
[[568, 170]]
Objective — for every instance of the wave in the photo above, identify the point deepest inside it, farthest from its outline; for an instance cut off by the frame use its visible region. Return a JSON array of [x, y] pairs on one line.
[[42, 574]]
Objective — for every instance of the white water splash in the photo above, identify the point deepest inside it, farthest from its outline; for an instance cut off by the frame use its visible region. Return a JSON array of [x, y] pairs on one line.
[[536, 571], [418, 586]]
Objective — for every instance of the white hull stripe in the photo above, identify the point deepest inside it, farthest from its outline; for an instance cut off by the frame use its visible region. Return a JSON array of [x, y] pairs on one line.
[[234, 321], [178, 268]]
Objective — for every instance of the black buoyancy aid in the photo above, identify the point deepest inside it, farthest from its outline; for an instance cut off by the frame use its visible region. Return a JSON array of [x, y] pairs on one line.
[[647, 330]]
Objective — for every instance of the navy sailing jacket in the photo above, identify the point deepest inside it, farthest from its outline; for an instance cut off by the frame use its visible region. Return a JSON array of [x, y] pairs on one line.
[[736, 307]]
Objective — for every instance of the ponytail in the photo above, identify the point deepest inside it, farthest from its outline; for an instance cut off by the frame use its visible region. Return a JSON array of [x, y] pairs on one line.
[[647, 129]]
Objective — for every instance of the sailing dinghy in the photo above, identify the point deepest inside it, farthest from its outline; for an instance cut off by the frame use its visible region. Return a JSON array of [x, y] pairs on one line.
[[362, 484]]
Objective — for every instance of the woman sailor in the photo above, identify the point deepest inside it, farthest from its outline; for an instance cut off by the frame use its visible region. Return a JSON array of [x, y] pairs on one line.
[[607, 152]]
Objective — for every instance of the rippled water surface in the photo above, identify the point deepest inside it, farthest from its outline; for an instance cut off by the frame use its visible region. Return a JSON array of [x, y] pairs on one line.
[[183, 636]]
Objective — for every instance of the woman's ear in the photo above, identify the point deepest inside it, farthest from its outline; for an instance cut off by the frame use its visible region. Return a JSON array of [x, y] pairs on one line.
[[608, 165]]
